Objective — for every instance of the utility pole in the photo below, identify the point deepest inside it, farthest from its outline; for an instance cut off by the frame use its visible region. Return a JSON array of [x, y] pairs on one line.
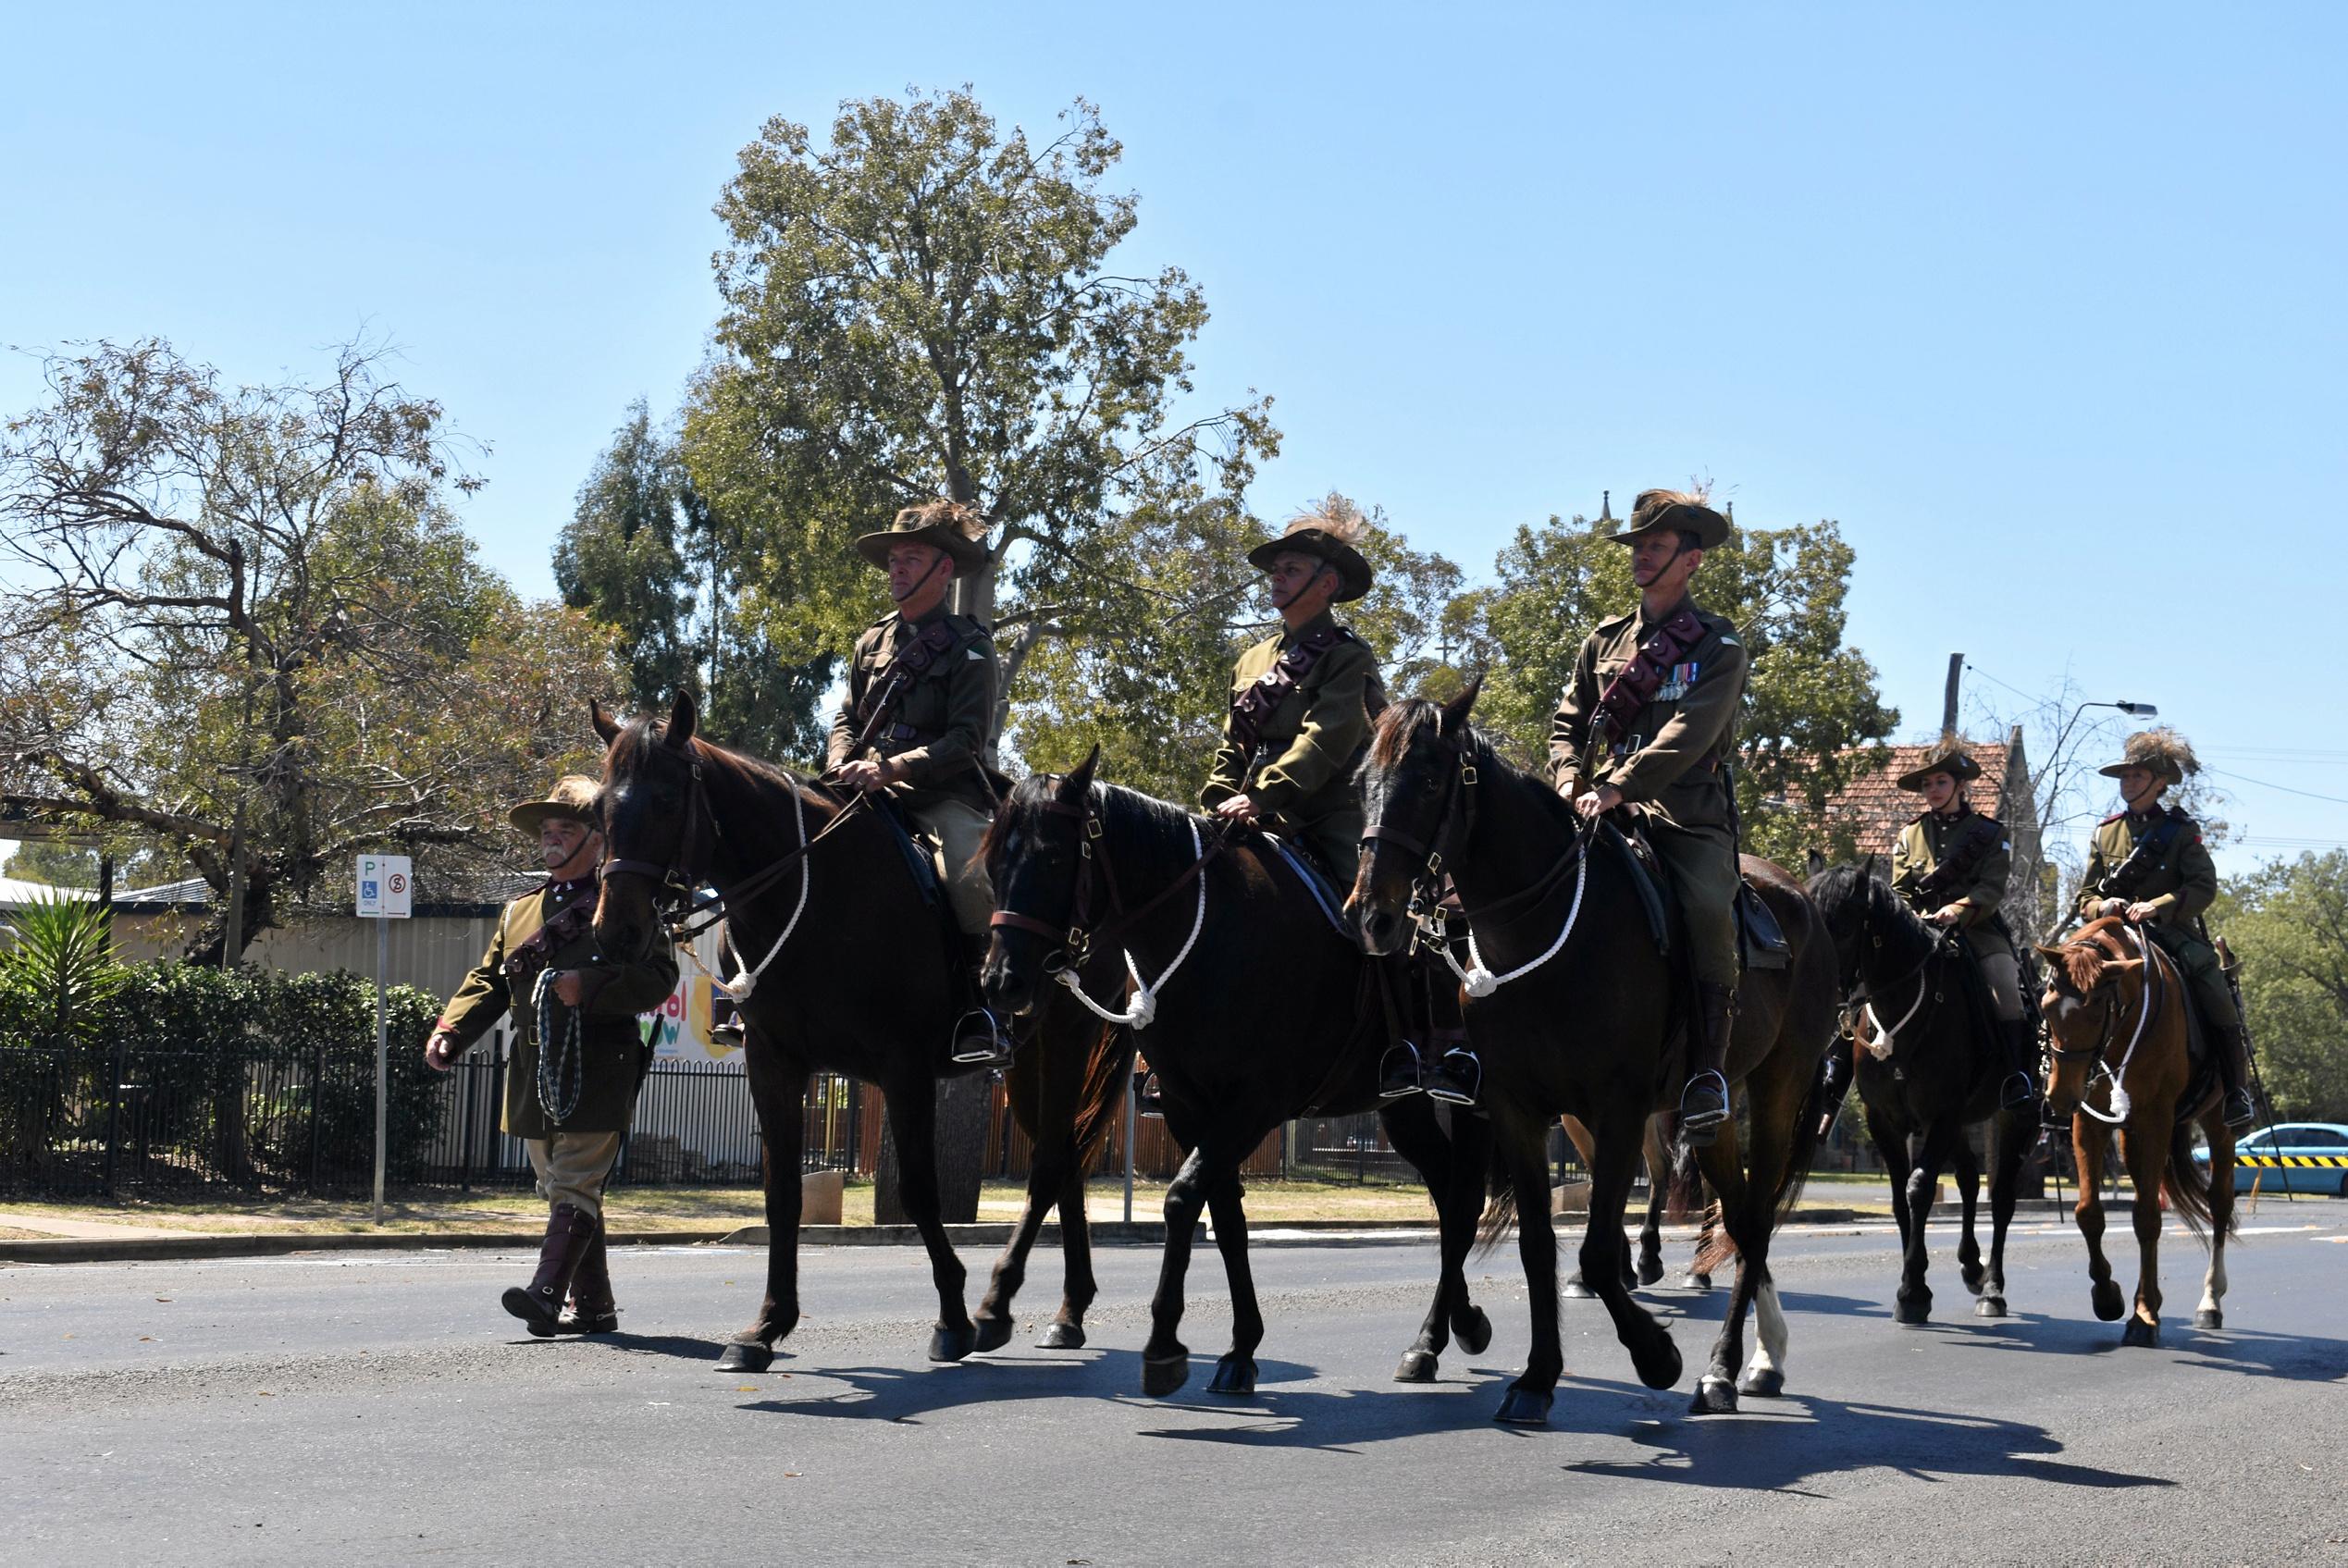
[[1948, 697]]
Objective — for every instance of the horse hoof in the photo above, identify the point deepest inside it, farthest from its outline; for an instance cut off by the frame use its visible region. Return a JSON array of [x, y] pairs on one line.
[[1762, 1382], [1660, 1369], [1974, 1277], [2139, 1332], [1575, 1290], [1990, 1306], [745, 1355], [994, 1333], [1062, 1337], [1911, 1310], [1234, 1374], [2106, 1302], [1418, 1366], [1525, 1407], [1473, 1330], [952, 1344], [1697, 1282], [2208, 1319], [1162, 1375], [1650, 1270], [1714, 1396]]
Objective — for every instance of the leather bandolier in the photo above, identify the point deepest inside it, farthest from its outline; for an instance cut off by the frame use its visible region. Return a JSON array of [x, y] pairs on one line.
[[1254, 707], [875, 714], [2122, 880]]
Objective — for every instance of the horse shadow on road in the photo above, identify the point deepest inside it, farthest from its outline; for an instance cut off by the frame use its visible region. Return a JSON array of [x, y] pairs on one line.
[[908, 1393]]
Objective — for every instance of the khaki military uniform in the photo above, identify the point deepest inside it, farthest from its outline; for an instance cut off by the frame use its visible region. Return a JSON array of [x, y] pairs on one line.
[[1301, 777], [572, 1157], [938, 734], [2180, 888], [1927, 840], [1674, 766]]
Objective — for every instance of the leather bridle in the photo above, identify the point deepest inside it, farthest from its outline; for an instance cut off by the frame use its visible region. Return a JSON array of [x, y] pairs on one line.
[[1073, 944]]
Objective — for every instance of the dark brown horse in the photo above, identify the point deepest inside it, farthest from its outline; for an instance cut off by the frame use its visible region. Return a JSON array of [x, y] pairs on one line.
[[1259, 1011], [1574, 1010], [857, 979], [1930, 1065], [2116, 1006]]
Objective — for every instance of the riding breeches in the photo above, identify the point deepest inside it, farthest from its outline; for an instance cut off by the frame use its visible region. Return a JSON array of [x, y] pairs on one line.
[[1701, 863], [2198, 962], [573, 1167], [961, 829], [2003, 975]]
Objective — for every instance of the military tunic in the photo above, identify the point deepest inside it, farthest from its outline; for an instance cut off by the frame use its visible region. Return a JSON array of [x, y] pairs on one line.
[[1924, 842], [2179, 887], [1304, 785], [611, 1046], [1673, 765]]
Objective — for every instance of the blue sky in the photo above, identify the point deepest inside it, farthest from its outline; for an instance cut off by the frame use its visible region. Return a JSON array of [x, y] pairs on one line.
[[2043, 304]]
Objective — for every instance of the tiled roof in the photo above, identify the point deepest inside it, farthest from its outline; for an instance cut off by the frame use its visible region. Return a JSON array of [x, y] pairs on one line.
[[1877, 808]]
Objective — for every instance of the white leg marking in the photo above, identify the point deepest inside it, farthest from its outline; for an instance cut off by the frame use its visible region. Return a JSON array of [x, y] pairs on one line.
[[2213, 1284], [1770, 1321]]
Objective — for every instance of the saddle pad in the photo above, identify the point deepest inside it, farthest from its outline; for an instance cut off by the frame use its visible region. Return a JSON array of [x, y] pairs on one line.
[[1764, 943], [1648, 878], [1315, 880], [921, 858]]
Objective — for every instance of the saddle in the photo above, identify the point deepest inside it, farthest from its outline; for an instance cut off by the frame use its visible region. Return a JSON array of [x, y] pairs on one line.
[[1316, 878], [1761, 942]]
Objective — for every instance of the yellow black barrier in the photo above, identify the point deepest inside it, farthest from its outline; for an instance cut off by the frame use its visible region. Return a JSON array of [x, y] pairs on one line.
[[2272, 1161]]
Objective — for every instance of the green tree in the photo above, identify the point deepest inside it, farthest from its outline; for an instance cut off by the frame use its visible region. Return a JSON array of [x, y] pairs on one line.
[[1813, 716], [2288, 921], [252, 630], [59, 865], [622, 557]]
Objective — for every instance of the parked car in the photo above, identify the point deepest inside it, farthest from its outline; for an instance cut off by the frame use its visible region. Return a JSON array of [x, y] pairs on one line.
[[2309, 1157]]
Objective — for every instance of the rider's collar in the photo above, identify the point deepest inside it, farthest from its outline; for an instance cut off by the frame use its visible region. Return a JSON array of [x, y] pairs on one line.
[[570, 884], [1686, 602], [926, 621], [1324, 622]]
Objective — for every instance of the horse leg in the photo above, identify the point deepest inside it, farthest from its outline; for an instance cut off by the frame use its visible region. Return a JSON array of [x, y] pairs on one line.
[[2211, 1314], [2087, 1149], [1779, 1096], [778, 1093], [1047, 1111], [1235, 1373], [1166, 1361], [1653, 1355], [1913, 1304], [1080, 1287], [1892, 1144], [2009, 1142], [1579, 1135], [993, 1318], [1535, 1390], [1651, 1230], [1716, 1390], [1968, 1200], [912, 1105], [2146, 1150], [1411, 1128]]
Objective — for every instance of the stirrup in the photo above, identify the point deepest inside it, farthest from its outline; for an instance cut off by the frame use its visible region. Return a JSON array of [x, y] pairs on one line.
[[1400, 1071], [2017, 1092], [1459, 1078], [984, 1045], [1698, 1120], [2240, 1112], [2051, 1119]]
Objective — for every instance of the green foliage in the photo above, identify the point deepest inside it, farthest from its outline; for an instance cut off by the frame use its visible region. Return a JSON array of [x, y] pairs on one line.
[[1812, 717], [61, 962], [623, 556], [59, 865], [2287, 922]]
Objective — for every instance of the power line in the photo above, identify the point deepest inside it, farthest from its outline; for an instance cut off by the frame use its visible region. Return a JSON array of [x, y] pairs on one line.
[[2335, 799]]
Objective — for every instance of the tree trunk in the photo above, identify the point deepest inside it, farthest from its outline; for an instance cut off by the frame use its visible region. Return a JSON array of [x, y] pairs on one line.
[[963, 1123]]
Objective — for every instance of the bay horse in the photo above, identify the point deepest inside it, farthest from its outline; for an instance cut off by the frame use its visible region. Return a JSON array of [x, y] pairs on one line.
[[2116, 1005], [854, 977], [1929, 1067], [1586, 1019], [1252, 1009]]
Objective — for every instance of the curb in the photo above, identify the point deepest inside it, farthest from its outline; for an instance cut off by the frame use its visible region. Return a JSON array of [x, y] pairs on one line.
[[132, 1249]]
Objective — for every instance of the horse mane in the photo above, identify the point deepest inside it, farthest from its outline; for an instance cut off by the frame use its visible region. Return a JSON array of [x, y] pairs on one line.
[[1837, 888], [1133, 822], [2091, 950], [1403, 722]]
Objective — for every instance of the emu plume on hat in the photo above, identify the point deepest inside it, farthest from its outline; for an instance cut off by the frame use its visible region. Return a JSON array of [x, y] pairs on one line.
[[1327, 532], [1677, 511], [2166, 753], [1947, 756], [949, 526], [572, 800]]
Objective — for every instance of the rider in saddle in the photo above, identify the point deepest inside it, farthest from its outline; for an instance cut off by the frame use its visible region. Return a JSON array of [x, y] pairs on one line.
[[920, 695], [1950, 865], [1302, 702], [2149, 864], [543, 966], [1649, 719]]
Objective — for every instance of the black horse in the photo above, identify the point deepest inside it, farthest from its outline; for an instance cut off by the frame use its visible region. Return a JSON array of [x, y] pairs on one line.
[[1584, 1018], [860, 981], [1929, 1067], [1258, 1011]]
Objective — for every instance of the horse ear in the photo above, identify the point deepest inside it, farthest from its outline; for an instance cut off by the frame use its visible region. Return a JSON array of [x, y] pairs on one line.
[[605, 725], [677, 735], [2114, 967], [1079, 778], [2052, 954], [1455, 711]]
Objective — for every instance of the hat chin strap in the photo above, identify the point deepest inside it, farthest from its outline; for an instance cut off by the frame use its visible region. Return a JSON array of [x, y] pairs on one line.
[[922, 580]]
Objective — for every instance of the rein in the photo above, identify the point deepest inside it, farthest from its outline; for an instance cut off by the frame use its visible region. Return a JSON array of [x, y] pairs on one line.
[[2146, 1006], [1863, 996]]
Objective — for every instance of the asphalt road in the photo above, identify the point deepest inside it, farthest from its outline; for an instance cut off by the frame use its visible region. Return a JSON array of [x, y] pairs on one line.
[[375, 1408]]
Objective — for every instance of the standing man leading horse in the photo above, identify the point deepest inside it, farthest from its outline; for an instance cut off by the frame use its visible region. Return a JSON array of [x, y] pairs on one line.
[[1649, 719]]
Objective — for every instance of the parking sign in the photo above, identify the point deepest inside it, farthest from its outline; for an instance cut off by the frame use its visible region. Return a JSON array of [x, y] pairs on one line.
[[387, 887]]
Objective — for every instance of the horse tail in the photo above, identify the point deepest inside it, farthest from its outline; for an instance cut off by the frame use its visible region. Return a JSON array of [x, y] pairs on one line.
[[1106, 1071], [1500, 1206], [2187, 1184], [1802, 1148], [1685, 1183]]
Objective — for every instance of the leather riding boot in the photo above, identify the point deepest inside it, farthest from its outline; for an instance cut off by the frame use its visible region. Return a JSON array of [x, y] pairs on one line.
[[1834, 1076], [2233, 1071], [1398, 1071], [1703, 1105], [592, 1309], [2021, 1063], [1458, 1078], [540, 1303], [980, 1039]]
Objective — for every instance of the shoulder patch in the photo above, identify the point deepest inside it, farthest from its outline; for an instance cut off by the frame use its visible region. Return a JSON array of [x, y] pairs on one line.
[[1618, 622], [972, 653], [2107, 822]]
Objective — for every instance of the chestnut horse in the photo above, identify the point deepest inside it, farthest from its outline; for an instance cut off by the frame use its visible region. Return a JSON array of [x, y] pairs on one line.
[[2116, 1006], [857, 978]]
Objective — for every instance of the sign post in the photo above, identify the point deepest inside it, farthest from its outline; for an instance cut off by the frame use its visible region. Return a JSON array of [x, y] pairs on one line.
[[387, 893]]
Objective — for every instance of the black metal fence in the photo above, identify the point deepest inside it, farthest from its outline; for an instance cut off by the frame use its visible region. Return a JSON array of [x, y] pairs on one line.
[[86, 1123]]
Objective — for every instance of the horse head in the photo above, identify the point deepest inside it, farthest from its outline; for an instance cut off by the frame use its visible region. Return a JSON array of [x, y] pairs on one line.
[[1037, 856], [1421, 760], [652, 805], [2091, 983], [1851, 898]]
